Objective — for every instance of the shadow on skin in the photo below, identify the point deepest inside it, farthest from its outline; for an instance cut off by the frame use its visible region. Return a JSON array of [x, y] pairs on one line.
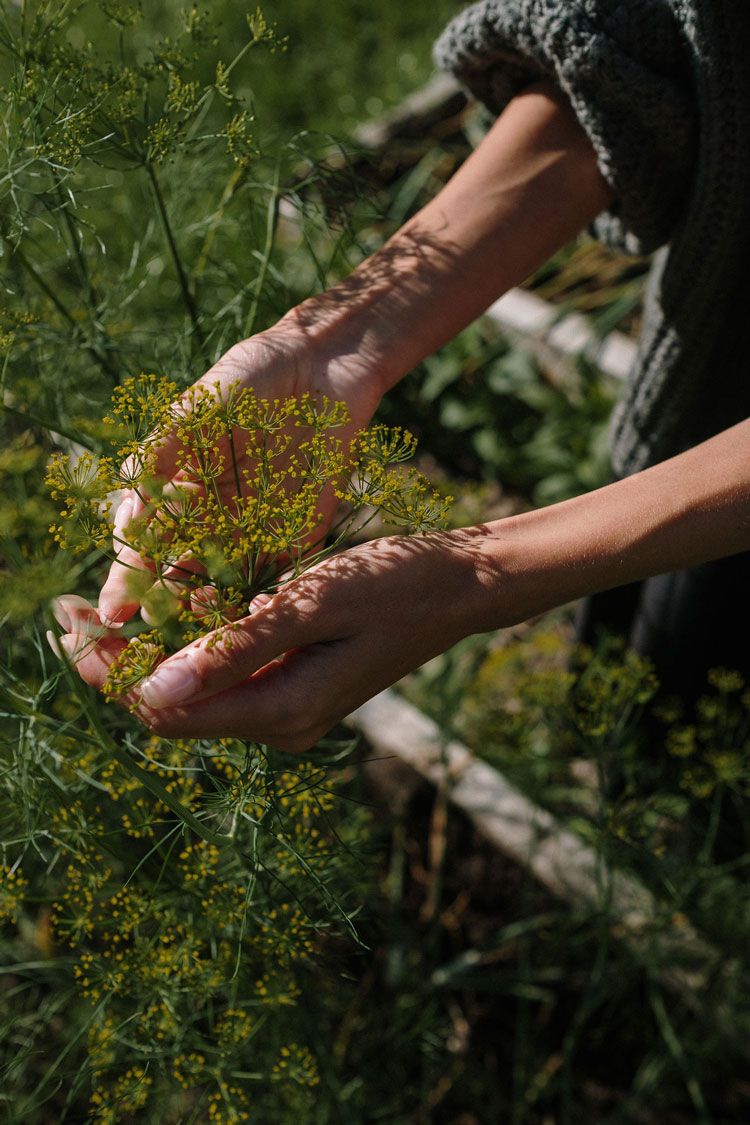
[[286, 674]]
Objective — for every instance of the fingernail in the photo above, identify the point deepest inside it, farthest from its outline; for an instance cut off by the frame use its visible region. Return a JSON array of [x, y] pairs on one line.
[[110, 624], [171, 683], [122, 519], [113, 622], [67, 643], [67, 605], [123, 513], [71, 646], [60, 615]]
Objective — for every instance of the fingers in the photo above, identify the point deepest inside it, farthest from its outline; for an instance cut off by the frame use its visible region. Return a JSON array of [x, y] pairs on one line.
[[128, 579], [279, 705], [232, 654], [85, 641], [119, 596], [75, 615], [91, 647], [122, 592], [92, 657]]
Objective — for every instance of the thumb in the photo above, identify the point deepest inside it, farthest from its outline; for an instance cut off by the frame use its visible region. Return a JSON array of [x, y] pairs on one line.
[[119, 598], [230, 655]]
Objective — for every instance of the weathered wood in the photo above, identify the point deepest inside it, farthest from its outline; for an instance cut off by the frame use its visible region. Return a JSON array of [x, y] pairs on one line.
[[438, 100], [524, 314], [532, 837]]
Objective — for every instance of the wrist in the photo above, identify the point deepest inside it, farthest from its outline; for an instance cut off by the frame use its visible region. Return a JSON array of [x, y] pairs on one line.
[[533, 562], [688, 510], [351, 324], [536, 561], [539, 560], [324, 348], [479, 579]]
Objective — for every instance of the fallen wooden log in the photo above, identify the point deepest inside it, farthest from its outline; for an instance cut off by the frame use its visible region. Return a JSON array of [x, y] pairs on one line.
[[532, 837]]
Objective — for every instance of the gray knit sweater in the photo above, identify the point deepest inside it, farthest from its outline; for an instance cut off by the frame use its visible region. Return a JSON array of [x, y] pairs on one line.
[[662, 87]]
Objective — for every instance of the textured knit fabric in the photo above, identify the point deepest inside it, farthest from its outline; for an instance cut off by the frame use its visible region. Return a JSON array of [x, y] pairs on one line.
[[662, 88]]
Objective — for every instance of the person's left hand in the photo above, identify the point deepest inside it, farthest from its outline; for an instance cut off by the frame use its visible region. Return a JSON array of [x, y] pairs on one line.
[[318, 648]]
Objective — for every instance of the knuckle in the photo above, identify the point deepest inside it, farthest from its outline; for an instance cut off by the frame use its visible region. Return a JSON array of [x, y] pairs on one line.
[[224, 660], [237, 653]]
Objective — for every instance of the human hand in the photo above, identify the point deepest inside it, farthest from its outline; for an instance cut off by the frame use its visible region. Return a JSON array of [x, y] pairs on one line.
[[286, 361], [317, 649]]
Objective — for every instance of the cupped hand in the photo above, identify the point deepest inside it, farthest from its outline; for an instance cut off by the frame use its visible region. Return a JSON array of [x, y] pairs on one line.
[[318, 648], [288, 360]]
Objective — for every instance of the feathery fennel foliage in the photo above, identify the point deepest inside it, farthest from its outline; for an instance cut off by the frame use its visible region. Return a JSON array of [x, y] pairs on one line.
[[188, 887], [162, 905]]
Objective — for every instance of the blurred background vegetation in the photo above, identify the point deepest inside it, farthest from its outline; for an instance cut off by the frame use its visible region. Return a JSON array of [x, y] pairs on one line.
[[348, 62]]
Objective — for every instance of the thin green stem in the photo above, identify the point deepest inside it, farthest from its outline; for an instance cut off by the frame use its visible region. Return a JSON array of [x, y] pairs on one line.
[[146, 778], [94, 351], [103, 343], [39, 281], [89, 290], [272, 215], [232, 186], [182, 277], [51, 427]]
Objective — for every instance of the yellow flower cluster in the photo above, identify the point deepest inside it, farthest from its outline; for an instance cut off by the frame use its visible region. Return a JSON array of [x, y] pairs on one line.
[[199, 861], [239, 138], [277, 991], [285, 934], [79, 483], [101, 975], [232, 1028], [12, 887], [305, 790], [187, 1070], [228, 1106], [75, 912], [182, 95], [715, 744], [158, 1022], [296, 1064], [133, 665], [240, 512], [126, 1095], [101, 1042]]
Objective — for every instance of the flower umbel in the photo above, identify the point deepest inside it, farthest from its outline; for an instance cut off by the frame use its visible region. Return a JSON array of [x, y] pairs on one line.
[[240, 512]]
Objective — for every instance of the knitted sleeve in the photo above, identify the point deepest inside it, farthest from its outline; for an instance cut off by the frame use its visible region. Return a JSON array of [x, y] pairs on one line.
[[625, 68]]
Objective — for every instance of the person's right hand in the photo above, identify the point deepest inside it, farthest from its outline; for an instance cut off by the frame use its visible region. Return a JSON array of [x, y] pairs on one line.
[[286, 360], [318, 648]]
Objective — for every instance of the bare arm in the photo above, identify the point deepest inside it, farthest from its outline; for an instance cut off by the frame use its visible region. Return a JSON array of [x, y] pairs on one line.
[[688, 510], [530, 187], [364, 618]]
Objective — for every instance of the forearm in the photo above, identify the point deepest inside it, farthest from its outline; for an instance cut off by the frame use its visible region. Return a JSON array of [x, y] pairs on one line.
[[531, 185], [683, 512]]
